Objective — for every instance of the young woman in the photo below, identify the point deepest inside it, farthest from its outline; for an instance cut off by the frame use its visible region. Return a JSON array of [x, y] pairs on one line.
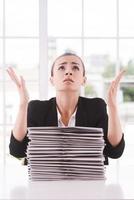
[[68, 108]]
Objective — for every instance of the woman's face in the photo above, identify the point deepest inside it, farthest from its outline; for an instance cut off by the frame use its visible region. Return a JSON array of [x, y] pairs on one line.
[[68, 74]]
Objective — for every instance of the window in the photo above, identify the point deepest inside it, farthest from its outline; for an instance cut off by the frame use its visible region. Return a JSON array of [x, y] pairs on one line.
[[99, 18], [63, 16], [22, 18], [19, 48], [103, 35], [34, 32], [1, 17], [126, 15]]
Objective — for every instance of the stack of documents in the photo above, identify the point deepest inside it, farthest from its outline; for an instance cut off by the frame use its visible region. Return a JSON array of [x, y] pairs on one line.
[[56, 153]]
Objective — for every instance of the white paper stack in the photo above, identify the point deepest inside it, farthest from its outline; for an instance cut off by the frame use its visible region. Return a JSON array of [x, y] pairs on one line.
[[56, 153]]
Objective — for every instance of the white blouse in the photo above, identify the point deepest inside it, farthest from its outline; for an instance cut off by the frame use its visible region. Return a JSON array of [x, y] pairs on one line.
[[71, 122]]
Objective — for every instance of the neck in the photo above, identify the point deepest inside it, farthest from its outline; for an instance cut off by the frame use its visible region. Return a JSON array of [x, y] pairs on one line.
[[67, 103]]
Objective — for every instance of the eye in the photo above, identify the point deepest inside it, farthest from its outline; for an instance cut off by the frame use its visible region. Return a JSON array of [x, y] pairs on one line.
[[61, 67], [75, 67]]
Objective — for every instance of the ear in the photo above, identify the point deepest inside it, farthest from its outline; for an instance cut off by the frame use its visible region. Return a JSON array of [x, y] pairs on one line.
[[51, 80], [84, 80]]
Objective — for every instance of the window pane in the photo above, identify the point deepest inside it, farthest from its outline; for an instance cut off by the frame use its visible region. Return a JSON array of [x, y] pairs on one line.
[[99, 54], [1, 145], [7, 134], [1, 103], [64, 18], [1, 123], [126, 17], [23, 54], [100, 65], [1, 17], [127, 61], [127, 56], [1, 56], [22, 18], [12, 98], [58, 47], [100, 17]]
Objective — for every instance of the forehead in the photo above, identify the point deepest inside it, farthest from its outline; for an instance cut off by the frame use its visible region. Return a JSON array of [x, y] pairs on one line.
[[68, 59]]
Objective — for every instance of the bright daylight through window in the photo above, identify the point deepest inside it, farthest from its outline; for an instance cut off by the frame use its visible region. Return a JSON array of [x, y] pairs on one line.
[[102, 35]]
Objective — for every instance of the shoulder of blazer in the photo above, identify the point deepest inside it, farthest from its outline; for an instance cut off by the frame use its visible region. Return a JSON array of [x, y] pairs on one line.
[[89, 111], [42, 113], [40, 106], [92, 106], [89, 102]]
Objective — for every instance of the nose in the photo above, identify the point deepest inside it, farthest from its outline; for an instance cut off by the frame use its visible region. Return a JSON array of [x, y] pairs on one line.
[[68, 73]]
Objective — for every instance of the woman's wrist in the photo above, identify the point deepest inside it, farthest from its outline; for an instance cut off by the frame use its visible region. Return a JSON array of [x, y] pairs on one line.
[[113, 108], [23, 105]]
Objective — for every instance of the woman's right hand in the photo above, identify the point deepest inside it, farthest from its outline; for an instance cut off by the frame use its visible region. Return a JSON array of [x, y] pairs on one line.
[[20, 83]]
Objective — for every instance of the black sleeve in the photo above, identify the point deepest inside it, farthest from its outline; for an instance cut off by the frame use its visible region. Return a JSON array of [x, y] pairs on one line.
[[17, 148], [109, 150]]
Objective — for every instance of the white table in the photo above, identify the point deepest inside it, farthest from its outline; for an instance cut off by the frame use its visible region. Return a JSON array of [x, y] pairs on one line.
[[14, 184]]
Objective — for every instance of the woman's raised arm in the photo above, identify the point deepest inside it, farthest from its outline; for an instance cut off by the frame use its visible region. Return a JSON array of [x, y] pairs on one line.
[[114, 125], [20, 126]]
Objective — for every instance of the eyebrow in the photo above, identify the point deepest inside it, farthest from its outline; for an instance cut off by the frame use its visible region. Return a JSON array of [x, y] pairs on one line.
[[64, 63]]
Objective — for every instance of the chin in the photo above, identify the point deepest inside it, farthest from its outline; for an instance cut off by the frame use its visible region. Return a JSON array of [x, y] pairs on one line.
[[67, 89]]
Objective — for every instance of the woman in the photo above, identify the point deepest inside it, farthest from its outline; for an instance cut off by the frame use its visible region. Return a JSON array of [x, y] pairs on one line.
[[68, 108]]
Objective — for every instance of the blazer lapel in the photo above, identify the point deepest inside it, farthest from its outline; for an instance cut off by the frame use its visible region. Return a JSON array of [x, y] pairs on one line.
[[52, 119], [81, 118]]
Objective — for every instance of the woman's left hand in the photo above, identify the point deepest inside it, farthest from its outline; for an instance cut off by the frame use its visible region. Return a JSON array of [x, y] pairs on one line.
[[112, 91]]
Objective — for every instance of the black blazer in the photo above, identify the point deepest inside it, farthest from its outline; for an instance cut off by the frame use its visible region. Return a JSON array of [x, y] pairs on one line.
[[91, 112]]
